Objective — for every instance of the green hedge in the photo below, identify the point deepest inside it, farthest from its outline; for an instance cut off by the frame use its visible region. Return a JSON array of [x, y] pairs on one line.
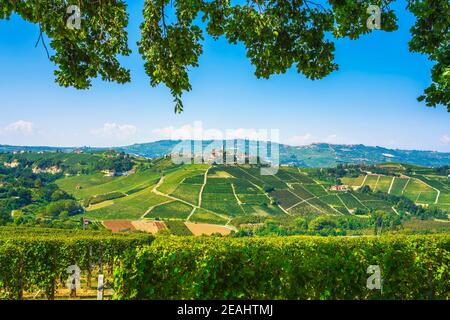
[[412, 267], [33, 259]]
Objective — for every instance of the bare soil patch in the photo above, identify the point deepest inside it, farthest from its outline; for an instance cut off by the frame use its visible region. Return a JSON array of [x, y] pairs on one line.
[[199, 229]]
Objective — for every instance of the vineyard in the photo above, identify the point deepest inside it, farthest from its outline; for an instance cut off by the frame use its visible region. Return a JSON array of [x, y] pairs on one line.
[[122, 192], [414, 267], [34, 262]]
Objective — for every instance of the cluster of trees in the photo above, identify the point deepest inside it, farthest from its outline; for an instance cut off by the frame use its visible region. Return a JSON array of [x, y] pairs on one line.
[[378, 220], [112, 161], [334, 174], [25, 195], [120, 162], [29, 198], [442, 171], [277, 36], [403, 205], [304, 225], [72, 163]]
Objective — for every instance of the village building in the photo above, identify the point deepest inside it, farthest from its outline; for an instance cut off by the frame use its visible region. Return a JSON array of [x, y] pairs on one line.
[[341, 187], [51, 170], [12, 164]]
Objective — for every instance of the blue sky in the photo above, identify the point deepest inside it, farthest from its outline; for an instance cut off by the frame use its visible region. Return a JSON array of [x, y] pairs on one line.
[[370, 100]]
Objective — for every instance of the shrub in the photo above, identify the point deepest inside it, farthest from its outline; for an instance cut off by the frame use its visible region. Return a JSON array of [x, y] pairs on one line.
[[286, 268], [36, 258]]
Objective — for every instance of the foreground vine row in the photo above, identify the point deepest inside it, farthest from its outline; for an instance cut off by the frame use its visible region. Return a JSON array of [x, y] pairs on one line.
[[168, 267]]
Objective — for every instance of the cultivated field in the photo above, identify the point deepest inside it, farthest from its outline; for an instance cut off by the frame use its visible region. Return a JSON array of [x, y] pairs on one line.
[[422, 189], [205, 194], [86, 186], [199, 229]]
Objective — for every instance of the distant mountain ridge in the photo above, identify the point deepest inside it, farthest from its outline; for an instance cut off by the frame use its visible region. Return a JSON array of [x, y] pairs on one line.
[[313, 155]]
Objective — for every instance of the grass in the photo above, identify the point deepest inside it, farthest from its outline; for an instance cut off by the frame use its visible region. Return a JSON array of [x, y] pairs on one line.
[[172, 210], [255, 199], [198, 179], [301, 192], [303, 209], [178, 228], [224, 203], [242, 186], [444, 199], [438, 182], [426, 197], [315, 189], [324, 208], [416, 187], [187, 192], [261, 210], [203, 216], [140, 179], [371, 181], [351, 202], [100, 205], [172, 180], [356, 182], [384, 183], [426, 225], [332, 200], [285, 198], [398, 186], [69, 184], [130, 207], [218, 188]]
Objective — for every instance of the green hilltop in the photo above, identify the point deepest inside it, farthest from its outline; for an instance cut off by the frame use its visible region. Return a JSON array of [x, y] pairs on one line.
[[60, 188]]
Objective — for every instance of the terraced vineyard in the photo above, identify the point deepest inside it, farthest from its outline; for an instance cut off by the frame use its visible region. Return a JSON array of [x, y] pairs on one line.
[[214, 194], [218, 194], [422, 189]]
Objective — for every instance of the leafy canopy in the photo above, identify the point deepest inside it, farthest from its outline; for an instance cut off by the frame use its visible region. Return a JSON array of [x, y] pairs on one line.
[[277, 35]]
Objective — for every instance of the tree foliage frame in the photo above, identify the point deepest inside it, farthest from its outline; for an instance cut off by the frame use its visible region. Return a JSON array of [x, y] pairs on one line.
[[277, 35]]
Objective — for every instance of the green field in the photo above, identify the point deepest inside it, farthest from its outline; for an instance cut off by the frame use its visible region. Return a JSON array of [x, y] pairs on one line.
[[204, 216], [131, 207], [187, 192], [172, 210], [97, 184], [383, 183], [172, 180], [371, 181], [232, 191], [420, 189], [399, 185]]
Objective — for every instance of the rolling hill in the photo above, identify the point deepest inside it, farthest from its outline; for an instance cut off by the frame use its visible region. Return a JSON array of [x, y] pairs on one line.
[[107, 186], [314, 155], [220, 193]]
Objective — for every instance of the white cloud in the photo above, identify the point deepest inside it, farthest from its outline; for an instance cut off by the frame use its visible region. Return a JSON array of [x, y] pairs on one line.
[[445, 139], [197, 132], [332, 138], [21, 126], [307, 138], [184, 132], [115, 131]]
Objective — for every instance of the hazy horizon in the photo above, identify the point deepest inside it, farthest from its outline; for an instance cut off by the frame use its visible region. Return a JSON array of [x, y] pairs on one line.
[[148, 142]]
